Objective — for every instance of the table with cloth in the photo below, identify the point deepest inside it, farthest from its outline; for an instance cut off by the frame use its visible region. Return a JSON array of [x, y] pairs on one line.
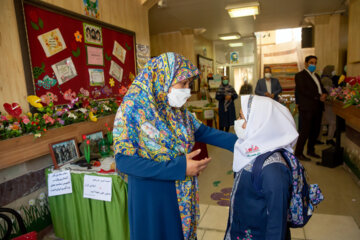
[[76, 217]]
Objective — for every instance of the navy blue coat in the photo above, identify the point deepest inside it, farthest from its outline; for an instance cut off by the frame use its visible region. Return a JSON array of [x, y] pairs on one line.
[[153, 205], [226, 119], [275, 87]]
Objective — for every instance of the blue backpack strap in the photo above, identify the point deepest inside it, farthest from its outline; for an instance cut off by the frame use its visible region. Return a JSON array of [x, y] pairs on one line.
[[256, 169]]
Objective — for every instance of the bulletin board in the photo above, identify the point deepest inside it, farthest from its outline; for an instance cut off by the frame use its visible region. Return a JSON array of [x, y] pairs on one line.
[[69, 53], [205, 66]]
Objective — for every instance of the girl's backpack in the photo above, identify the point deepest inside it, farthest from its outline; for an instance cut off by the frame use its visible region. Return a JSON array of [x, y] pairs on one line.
[[303, 196]]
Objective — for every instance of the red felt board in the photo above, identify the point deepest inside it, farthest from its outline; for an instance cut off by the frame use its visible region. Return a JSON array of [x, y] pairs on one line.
[[39, 20]]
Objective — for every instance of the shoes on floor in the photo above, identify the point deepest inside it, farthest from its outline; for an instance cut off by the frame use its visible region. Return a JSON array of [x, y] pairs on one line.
[[330, 142], [302, 157], [312, 154], [317, 142]]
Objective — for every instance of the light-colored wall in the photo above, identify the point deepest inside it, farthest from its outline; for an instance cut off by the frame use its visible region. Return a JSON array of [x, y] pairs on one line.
[[353, 65], [329, 41], [181, 43], [353, 69], [201, 43], [127, 14]]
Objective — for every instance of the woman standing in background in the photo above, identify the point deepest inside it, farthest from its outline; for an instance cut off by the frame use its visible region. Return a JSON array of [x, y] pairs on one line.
[[226, 95]]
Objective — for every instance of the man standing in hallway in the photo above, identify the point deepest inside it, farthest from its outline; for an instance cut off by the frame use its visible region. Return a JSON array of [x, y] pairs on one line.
[[268, 86], [310, 96]]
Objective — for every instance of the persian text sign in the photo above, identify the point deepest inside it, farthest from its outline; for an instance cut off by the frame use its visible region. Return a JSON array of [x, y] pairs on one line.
[[59, 183], [98, 188]]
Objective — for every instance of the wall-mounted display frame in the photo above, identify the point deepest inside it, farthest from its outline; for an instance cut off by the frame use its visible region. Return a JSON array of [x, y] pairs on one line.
[[49, 35]]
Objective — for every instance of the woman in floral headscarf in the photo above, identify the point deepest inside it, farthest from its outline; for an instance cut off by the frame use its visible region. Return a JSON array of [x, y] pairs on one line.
[[153, 138]]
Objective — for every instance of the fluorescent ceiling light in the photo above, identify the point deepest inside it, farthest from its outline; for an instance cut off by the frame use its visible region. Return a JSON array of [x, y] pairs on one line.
[[229, 36], [243, 10], [237, 44]]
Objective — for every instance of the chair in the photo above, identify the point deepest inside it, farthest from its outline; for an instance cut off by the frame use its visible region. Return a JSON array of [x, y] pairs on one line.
[[25, 235]]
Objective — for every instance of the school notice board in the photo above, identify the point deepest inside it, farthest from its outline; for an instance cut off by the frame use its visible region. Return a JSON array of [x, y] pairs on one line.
[[70, 54]]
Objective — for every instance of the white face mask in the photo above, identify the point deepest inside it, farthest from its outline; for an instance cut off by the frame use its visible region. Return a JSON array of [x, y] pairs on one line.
[[178, 96], [267, 75], [333, 73], [239, 130]]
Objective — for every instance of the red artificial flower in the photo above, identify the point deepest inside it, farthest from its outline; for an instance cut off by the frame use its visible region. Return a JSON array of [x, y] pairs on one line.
[[84, 137], [97, 164], [106, 125], [109, 129], [33, 16], [123, 90], [85, 103], [13, 109], [88, 142]]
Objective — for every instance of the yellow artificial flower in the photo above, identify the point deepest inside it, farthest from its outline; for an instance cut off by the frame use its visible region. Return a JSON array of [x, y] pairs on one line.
[[34, 101], [341, 79], [29, 114], [92, 117], [111, 82]]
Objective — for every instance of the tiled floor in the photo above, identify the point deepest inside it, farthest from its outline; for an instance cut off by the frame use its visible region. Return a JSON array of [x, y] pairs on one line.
[[213, 221]]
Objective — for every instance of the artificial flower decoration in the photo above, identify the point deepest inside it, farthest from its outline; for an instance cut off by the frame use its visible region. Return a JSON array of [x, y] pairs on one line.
[[13, 109], [78, 36], [25, 119], [92, 117], [34, 101], [106, 90], [48, 98], [111, 82], [123, 90], [69, 95], [48, 119], [84, 92]]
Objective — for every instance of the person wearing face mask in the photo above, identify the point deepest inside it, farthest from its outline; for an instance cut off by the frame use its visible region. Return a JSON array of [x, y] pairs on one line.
[[153, 139], [261, 214], [310, 97], [268, 86], [226, 95]]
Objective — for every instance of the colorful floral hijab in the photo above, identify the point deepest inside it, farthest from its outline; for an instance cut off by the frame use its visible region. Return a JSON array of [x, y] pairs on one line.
[[146, 126]]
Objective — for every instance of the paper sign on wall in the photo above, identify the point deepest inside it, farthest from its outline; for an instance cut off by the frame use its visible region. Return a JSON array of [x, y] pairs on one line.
[[98, 188], [59, 183]]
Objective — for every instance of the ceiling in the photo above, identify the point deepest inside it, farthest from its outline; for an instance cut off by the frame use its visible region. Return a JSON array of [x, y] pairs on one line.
[[211, 15]]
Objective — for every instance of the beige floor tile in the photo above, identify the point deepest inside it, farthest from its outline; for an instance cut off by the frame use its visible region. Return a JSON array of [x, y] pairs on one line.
[[297, 233], [213, 235], [215, 218], [203, 209], [200, 234], [331, 227]]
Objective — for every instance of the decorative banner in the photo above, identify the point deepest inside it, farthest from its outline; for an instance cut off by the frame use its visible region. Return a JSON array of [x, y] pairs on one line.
[[64, 70], [92, 34], [234, 57], [98, 188], [94, 56], [97, 77], [52, 42], [116, 71], [119, 52], [91, 8], [59, 183]]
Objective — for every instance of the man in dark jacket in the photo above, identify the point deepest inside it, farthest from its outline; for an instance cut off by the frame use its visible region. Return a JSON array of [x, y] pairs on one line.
[[268, 86], [310, 96]]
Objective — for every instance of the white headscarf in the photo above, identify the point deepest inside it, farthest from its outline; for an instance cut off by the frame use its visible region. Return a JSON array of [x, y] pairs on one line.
[[269, 126]]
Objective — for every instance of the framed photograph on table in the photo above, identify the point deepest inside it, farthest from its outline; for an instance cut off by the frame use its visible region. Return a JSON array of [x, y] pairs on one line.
[[206, 67], [95, 136], [64, 151]]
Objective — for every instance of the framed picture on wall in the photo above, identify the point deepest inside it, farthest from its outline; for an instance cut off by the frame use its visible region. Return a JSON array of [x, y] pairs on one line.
[[92, 34], [64, 151], [206, 67]]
